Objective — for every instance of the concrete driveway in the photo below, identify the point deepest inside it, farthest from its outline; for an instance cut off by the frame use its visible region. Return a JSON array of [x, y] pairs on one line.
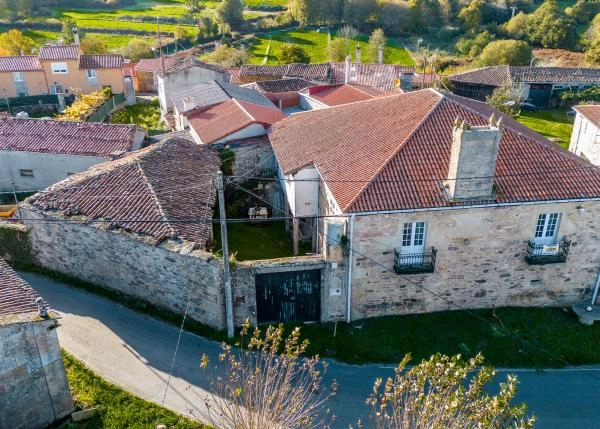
[[135, 351]]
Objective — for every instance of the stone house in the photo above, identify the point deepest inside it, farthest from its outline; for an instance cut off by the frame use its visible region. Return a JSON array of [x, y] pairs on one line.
[[424, 201], [140, 224], [585, 137], [539, 85], [36, 153], [34, 392]]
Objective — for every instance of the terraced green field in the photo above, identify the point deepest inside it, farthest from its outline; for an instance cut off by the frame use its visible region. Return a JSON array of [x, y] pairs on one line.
[[315, 44]]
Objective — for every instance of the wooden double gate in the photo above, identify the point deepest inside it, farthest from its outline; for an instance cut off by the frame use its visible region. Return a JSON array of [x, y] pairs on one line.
[[293, 296]]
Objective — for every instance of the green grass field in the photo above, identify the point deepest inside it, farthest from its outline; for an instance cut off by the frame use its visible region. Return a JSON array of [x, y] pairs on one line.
[[115, 408], [315, 44], [553, 124]]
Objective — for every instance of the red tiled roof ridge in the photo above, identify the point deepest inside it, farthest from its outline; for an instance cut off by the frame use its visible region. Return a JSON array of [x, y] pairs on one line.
[[155, 198], [237, 103], [400, 147]]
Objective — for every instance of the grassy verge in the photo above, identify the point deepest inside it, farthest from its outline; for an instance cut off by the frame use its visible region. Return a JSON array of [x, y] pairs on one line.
[[115, 407], [315, 45], [145, 115], [554, 124]]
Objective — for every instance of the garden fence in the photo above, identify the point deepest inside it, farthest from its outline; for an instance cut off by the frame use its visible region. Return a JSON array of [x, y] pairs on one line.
[[112, 104]]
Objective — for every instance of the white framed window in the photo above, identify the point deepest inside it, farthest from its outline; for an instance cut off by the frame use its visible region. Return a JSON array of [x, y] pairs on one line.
[[546, 229], [413, 237], [18, 77], [91, 74], [25, 172], [59, 68]]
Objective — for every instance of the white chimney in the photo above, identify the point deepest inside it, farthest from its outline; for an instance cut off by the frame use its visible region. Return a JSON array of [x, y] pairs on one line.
[[347, 69], [380, 54], [473, 160], [358, 52], [188, 103], [75, 35]]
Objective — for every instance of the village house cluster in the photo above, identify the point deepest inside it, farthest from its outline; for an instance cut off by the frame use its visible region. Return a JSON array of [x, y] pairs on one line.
[[405, 198]]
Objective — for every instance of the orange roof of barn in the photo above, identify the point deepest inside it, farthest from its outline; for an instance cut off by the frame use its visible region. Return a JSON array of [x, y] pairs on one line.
[[393, 153], [221, 120]]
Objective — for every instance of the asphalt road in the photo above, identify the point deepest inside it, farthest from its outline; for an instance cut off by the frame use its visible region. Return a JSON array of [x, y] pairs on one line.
[[136, 352]]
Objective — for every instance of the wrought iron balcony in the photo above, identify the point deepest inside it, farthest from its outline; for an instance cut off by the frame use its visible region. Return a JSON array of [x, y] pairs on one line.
[[412, 263], [540, 254]]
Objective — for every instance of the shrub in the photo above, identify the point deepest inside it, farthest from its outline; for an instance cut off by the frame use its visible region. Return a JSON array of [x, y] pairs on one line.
[[84, 106]]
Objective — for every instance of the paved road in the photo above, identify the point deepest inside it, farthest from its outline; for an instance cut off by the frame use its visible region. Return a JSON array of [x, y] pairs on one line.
[[136, 351]]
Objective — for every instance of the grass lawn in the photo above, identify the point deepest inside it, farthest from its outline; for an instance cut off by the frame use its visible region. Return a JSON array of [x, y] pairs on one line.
[[554, 124], [257, 3], [258, 241], [516, 337], [116, 408], [145, 115], [315, 44]]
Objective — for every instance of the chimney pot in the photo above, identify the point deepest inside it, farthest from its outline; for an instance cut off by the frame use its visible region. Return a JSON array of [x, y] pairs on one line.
[[358, 54], [380, 55], [188, 103], [75, 32]]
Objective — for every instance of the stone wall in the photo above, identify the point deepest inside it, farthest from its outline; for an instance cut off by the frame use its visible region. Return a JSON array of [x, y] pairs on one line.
[[14, 243], [161, 275], [33, 386], [480, 260], [253, 157]]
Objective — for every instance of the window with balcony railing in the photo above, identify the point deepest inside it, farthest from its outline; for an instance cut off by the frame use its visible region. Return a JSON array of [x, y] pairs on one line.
[[551, 253], [412, 263]]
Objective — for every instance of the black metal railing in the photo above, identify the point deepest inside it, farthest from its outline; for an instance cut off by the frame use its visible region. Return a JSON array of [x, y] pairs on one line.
[[411, 263], [539, 254]]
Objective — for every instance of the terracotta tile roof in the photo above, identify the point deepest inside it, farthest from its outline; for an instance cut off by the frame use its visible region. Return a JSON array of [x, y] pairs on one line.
[[52, 52], [219, 121], [254, 70], [379, 76], [181, 63], [501, 75], [103, 61], [20, 63], [154, 64], [164, 185], [591, 112], [334, 95], [16, 296], [393, 153], [320, 72], [69, 138], [235, 76], [282, 85]]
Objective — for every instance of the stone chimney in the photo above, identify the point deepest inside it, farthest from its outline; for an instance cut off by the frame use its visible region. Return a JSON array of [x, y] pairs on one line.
[[358, 54], [380, 54], [347, 69], [188, 103], [473, 160], [75, 36]]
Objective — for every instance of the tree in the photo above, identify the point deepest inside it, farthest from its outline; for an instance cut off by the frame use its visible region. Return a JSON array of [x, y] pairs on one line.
[[507, 99], [471, 15], [509, 52], [227, 57], [395, 17], [445, 392], [336, 50], [516, 26], [473, 47], [347, 33], [291, 53], [260, 388], [377, 40], [232, 12], [13, 42], [137, 49], [66, 32], [357, 12], [550, 27], [181, 33], [592, 55], [93, 45]]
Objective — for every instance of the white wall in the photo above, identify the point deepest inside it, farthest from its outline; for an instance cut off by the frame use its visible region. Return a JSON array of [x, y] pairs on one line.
[[254, 130], [585, 139], [306, 102], [303, 197], [184, 79], [48, 168]]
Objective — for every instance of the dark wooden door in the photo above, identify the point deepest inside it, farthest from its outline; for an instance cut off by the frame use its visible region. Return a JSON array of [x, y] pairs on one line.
[[293, 296]]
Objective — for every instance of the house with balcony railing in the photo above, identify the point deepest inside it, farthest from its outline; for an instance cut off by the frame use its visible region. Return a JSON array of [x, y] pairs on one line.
[[428, 201]]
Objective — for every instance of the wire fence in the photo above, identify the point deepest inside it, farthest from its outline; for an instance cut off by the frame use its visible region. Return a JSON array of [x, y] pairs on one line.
[[111, 104]]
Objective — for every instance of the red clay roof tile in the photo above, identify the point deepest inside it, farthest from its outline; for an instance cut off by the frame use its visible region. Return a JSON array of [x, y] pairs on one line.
[[20, 63], [16, 296]]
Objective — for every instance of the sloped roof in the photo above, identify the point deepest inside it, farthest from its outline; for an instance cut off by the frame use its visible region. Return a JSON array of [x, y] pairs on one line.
[[221, 120], [20, 63], [275, 86], [379, 76], [393, 153], [152, 65], [207, 94], [164, 191], [590, 111], [334, 95], [101, 61], [69, 138], [59, 52], [16, 295], [502, 75]]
